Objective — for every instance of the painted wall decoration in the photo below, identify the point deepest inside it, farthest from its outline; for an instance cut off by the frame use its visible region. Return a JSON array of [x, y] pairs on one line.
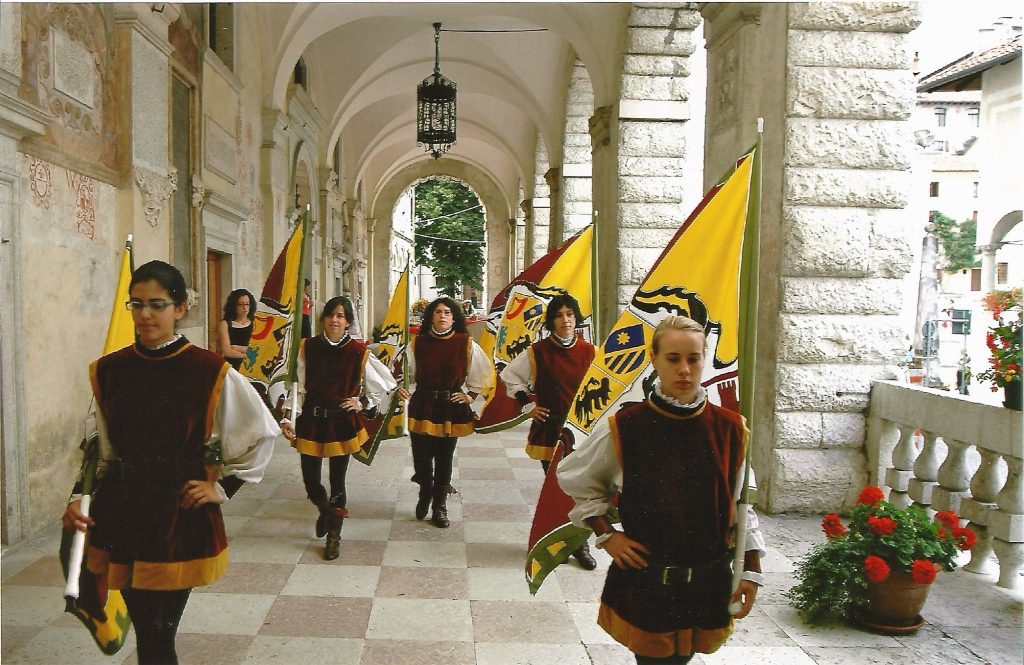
[[41, 183], [83, 189]]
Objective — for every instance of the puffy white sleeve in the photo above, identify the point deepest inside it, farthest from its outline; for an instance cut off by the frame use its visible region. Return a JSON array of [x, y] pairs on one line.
[[481, 372], [246, 429], [299, 385], [518, 374], [378, 381], [591, 475]]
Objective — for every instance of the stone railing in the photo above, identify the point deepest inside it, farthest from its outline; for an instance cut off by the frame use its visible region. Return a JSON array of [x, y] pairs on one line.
[[943, 451]]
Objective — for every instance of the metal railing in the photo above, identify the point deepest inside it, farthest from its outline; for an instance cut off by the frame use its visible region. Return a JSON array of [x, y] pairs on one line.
[[944, 451]]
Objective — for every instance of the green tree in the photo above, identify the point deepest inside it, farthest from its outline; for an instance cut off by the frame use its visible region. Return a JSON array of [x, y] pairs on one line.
[[956, 241], [451, 242]]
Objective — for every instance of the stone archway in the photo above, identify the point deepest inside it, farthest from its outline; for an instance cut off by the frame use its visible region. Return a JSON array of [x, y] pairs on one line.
[[988, 251], [499, 210]]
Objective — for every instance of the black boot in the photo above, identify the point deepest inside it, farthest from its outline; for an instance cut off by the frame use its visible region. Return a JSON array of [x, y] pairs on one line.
[[321, 521], [582, 554], [335, 518], [440, 514], [423, 505]]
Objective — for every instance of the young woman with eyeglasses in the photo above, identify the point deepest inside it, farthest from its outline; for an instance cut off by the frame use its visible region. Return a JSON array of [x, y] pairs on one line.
[[340, 379], [449, 371], [180, 431], [235, 328]]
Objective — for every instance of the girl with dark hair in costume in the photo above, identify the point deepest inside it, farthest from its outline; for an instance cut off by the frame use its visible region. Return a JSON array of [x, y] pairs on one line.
[[676, 462], [235, 328], [180, 431], [551, 370], [339, 378], [449, 371]]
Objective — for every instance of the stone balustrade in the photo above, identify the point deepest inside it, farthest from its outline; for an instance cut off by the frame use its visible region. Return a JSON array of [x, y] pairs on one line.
[[944, 451]]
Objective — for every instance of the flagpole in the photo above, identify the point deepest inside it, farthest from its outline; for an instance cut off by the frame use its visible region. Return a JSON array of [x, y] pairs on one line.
[[594, 278], [90, 460], [748, 327]]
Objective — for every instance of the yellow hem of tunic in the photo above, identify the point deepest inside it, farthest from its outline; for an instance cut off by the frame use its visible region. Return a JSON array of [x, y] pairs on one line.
[[540, 453], [157, 575], [333, 448], [683, 642], [445, 429]]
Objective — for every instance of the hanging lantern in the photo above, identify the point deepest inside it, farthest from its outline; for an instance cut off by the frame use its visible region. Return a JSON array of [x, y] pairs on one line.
[[435, 107]]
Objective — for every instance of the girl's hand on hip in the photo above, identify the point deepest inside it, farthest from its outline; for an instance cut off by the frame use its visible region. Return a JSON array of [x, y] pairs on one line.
[[198, 493], [352, 404], [626, 552], [73, 519]]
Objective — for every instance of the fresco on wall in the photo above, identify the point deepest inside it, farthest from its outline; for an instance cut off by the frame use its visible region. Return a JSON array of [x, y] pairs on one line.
[[83, 190], [40, 182], [67, 70]]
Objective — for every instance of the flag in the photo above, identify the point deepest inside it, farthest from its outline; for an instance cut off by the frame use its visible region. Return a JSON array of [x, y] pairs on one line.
[[697, 275], [101, 610], [391, 350], [516, 318], [270, 359]]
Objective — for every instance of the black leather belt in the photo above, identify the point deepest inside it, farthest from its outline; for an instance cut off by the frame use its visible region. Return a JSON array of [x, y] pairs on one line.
[[441, 395], [158, 471], [324, 412], [672, 575]]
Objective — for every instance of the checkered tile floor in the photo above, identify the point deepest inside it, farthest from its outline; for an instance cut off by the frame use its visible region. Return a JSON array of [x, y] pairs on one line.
[[404, 592]]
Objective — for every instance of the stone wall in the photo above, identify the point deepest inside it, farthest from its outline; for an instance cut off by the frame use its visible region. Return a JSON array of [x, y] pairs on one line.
[[577, 185], [833, 83], [539, 230], [652, 113]]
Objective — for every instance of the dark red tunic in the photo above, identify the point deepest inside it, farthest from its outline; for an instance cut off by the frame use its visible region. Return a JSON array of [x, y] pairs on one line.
[[678, 477], [334, 373], [557, 372], [442, 365], [159, 409]]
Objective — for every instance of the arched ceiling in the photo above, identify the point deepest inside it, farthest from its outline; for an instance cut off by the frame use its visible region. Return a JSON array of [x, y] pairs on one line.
[[364, 61]]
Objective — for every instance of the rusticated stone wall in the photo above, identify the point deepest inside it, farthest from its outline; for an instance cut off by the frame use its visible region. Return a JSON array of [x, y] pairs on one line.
[[577, 168], [833, 82]]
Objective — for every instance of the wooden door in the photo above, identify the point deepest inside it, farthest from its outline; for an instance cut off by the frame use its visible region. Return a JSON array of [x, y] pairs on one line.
[[214, 306]]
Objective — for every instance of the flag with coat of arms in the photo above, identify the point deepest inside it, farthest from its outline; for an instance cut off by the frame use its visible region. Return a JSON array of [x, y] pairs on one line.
[[271, 357], [697, 275], [390, 348], [516, 318]]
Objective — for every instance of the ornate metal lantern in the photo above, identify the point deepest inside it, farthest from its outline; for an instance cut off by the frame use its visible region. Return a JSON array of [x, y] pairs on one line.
[[435, 107]]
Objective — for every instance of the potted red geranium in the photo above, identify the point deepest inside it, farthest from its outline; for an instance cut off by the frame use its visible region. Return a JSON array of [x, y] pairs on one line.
[[1004, 345], [878, 570]]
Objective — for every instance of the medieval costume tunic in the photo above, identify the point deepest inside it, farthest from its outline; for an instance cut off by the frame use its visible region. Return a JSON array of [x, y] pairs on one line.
[[676, 467], [441, 367], [554, 370], [158, 414], [238, 336], [328, 374]]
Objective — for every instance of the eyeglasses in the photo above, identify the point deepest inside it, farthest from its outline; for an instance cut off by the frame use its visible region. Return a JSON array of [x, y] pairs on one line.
[[155, 305]]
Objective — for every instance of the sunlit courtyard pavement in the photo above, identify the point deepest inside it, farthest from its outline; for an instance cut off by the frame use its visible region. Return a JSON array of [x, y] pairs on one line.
[[404, 592]]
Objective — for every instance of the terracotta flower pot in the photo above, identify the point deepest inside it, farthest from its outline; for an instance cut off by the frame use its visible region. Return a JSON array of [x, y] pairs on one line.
[[1013, 393], [895, 604]]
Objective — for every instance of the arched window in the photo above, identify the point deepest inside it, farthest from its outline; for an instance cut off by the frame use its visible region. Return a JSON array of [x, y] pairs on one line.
[[299, 77]]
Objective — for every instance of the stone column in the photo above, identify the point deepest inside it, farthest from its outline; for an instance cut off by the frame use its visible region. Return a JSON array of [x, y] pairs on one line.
[[18, 120], [832, 81], [988, 267], [273, 183], [638, 193], [553, 178], [145, 123], [576, 164], [525, 248], [538, 235]]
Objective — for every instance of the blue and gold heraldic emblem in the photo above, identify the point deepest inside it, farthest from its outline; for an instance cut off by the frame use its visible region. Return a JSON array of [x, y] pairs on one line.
[[625, 350]]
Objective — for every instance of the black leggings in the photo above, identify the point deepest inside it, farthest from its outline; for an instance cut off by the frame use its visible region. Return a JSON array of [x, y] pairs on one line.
[[338, 467], [671, 660], [155, 615], [432, 459]]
